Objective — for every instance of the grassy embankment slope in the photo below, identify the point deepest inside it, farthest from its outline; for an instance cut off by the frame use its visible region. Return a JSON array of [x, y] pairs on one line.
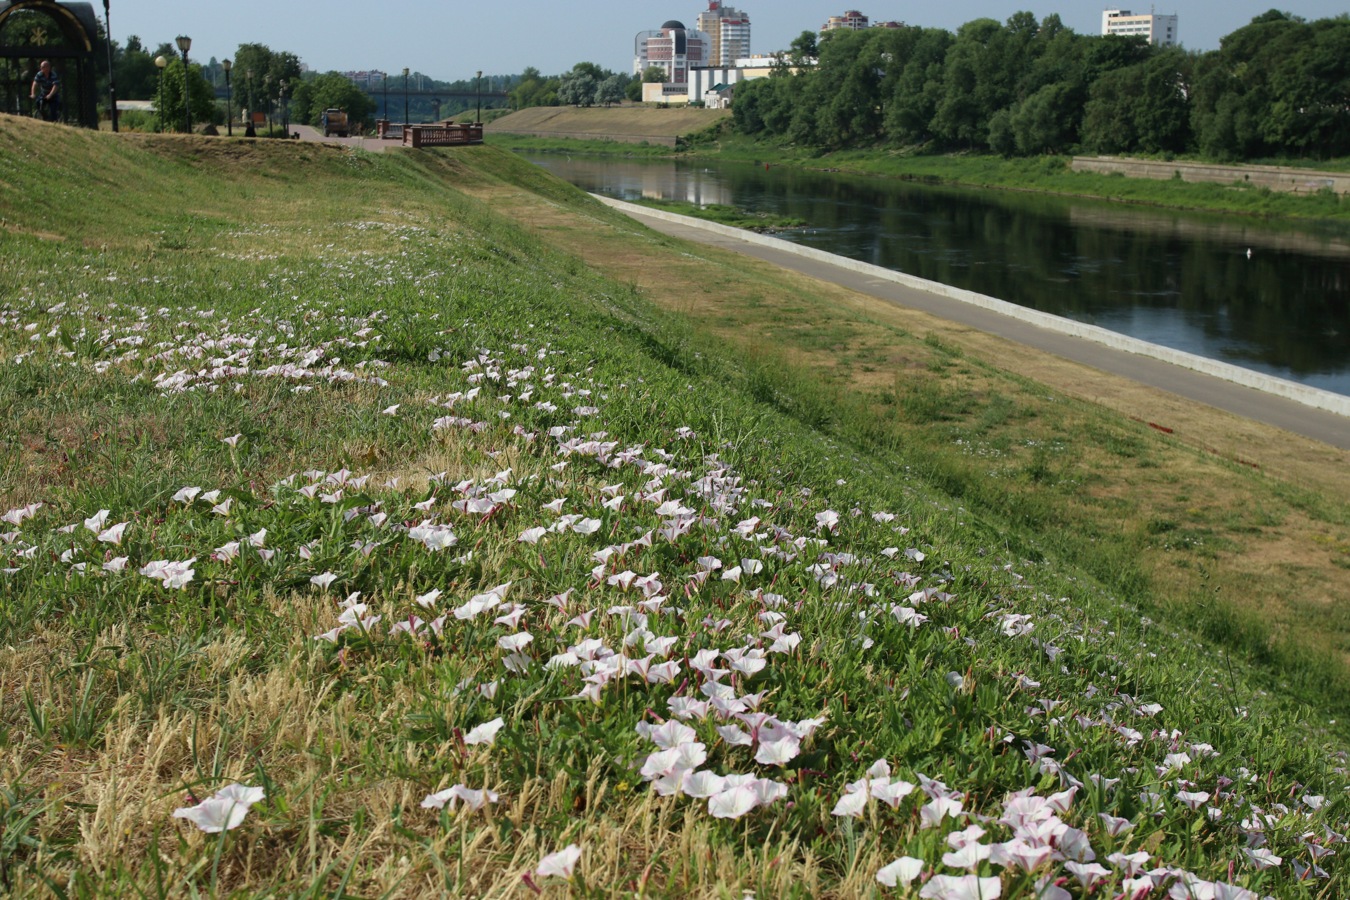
[[1041, 174], [406, 400], [626, 124]]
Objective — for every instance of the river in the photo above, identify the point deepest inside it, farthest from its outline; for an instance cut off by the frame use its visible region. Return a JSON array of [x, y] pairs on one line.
[[1272, 298]]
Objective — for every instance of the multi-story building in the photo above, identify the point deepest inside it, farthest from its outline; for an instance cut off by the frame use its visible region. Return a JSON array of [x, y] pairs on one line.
[[728, 32], [849, 21], [1158, 30], [672, 48]]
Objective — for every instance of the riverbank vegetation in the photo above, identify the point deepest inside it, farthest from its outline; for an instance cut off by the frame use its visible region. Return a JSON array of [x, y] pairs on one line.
[[723, 214], [362, 540], [1029, 88]]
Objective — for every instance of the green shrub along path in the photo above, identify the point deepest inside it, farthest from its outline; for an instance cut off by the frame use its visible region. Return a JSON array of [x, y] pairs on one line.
[[358, 542]]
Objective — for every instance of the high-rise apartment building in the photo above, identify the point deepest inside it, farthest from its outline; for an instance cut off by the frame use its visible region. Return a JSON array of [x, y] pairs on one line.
[[672, 48], [1158, 30], [728, 32], [850, 21]]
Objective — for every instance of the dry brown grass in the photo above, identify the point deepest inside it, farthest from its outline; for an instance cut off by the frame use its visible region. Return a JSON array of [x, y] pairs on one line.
[[602, 122]]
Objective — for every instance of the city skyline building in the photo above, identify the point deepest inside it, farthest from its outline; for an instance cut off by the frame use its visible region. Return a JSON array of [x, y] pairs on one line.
[[1158, 30], [673, 49], [852, 20], [728, 31]]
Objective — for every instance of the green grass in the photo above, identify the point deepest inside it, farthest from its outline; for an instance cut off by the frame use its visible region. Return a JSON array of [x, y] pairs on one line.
[[724, 214], [298, 298]]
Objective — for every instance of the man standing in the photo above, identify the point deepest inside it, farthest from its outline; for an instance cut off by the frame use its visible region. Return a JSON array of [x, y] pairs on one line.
[[46, 92]]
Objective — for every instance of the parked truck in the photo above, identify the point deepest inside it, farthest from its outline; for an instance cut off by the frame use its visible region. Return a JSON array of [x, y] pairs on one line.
[[335, 122]]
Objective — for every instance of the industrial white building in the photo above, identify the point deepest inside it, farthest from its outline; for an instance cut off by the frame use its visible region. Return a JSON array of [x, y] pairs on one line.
[[1158, 30]]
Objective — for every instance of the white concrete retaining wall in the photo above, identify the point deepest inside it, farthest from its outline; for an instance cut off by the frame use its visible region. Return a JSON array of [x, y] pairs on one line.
[[1280, 387]]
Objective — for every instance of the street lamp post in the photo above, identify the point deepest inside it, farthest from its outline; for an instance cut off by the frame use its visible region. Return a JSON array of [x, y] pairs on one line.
[[384, 80], [478, 93], [160, 63], [249, 130], [229, 107], [112, 77], [405, 95], [285, 110], [184, 45]]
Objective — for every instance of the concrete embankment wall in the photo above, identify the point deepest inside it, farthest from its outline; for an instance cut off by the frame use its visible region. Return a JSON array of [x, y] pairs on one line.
[[1277, 178], [1280, 387], [659, 140]]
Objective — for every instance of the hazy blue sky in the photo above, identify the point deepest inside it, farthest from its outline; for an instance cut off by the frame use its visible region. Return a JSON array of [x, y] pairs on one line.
[[450, 40]]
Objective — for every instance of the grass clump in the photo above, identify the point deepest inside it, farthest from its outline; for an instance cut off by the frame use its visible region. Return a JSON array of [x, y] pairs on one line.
[[465, 555]]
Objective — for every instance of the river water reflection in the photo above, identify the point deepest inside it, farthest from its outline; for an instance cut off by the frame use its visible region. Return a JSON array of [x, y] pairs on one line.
[[1181, 280]]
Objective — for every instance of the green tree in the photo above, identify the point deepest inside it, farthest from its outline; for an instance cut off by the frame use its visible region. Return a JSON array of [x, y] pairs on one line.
[[917, 85], [137, 75], [177, 85], [613, 89], [258, 73], [533, 90], [577, 87], [331, 90]]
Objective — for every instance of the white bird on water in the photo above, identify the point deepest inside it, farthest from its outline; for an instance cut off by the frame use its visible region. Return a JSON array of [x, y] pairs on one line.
[[1249, 252]]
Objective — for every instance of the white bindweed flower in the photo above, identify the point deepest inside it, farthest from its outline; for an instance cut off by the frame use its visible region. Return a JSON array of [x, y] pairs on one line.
[[485, 733], [223, 811], [961, 887], [778, 753], [113, 534], [852, 804], [323, 581], [901, 872], [473, 800], [733, 803], [428, 600], [1261, 858], [561, 864]]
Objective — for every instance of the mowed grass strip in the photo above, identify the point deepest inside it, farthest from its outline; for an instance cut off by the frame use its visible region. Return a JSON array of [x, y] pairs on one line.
[[381, 468]]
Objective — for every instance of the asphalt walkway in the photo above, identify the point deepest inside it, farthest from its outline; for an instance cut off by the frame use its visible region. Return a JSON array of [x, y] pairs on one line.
[[375, 145], [1289, 415]]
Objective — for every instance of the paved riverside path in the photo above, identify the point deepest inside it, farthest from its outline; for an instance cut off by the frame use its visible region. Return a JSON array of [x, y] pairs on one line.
[[373, 144], [1289, 415]]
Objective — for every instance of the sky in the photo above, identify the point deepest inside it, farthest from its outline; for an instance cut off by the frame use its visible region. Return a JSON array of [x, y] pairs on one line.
[[450, 40]]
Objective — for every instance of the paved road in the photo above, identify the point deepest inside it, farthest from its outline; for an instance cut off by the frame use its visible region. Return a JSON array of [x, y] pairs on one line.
[[375, 145], [1250, 403]]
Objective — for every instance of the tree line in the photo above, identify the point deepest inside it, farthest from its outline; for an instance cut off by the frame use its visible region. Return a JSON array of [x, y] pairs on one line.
[[274, 83], [1277, 87]]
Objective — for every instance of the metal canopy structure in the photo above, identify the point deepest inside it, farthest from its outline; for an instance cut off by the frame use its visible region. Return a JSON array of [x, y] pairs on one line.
[[68, 35]]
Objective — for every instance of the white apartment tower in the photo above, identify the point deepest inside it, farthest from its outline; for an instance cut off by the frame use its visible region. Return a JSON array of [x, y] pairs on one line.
[[849, 21], [728, 32], [1158, 30]]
